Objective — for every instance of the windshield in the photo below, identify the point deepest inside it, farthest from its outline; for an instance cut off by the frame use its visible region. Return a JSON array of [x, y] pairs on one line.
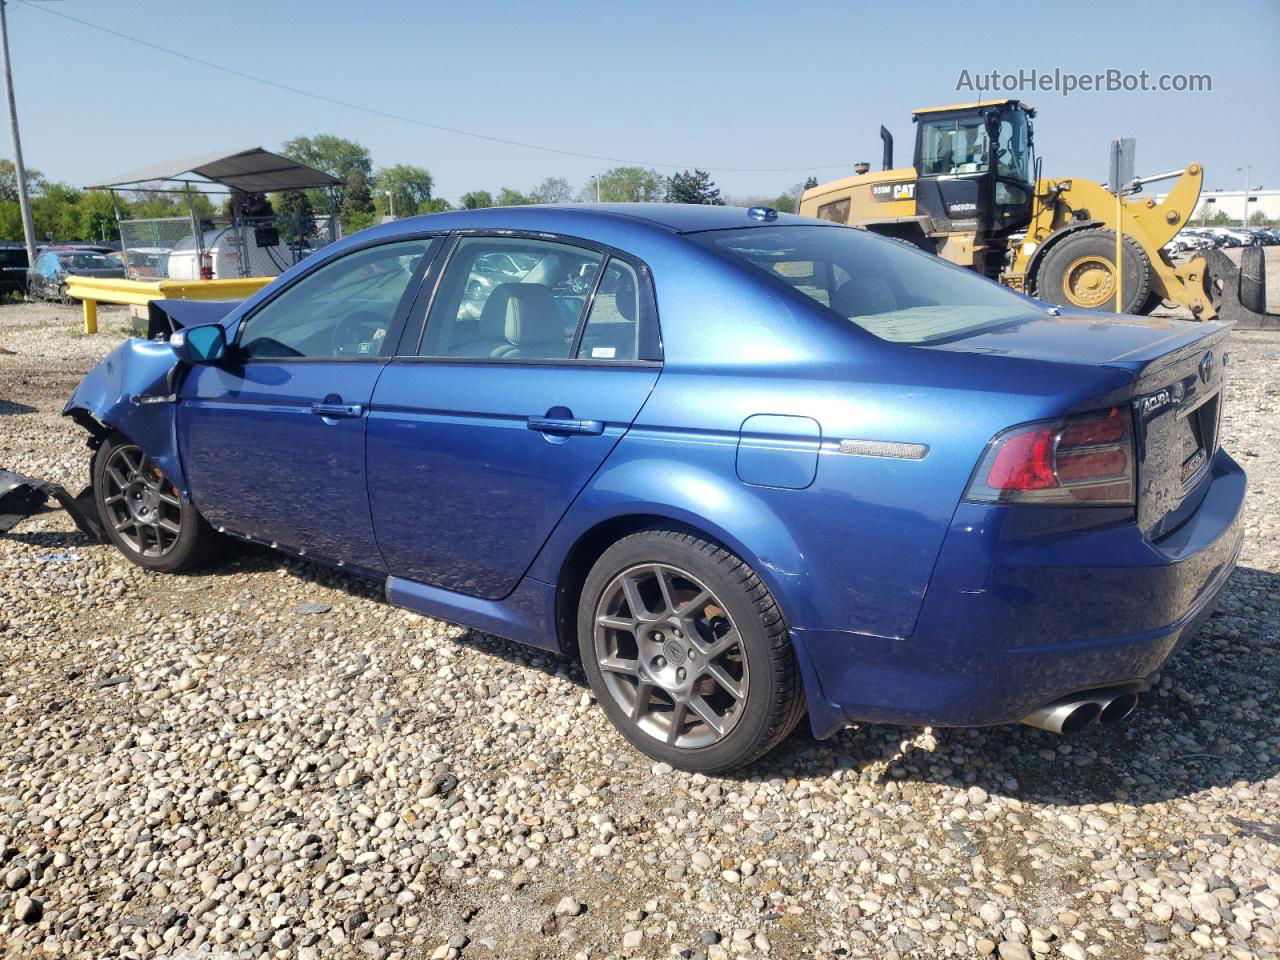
[[954, 146], [887, 288], [86, 261]]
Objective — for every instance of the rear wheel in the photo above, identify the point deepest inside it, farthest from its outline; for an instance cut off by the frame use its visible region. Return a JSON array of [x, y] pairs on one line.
[[1079, 271], [143, 514], [687, 651]]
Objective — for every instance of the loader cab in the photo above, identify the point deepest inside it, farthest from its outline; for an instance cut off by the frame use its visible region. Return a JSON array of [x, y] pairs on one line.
[[975, 167]]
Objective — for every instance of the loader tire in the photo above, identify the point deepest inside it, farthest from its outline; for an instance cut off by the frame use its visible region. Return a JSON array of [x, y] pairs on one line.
[[1079, 272]]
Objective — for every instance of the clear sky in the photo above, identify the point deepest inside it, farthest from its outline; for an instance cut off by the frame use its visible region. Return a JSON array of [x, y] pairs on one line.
[[725, 86]]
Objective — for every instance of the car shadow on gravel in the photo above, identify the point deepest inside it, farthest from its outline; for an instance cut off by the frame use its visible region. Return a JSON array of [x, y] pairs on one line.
[[1189, 734]]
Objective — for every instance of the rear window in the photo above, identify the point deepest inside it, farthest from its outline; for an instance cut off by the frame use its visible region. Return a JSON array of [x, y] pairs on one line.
[[889, 289]]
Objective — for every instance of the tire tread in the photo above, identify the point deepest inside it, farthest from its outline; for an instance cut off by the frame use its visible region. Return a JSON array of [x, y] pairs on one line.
[[788, 706]]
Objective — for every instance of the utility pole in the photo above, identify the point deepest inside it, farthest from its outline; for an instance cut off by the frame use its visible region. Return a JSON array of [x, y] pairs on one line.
[[1244, 216], [24, 203]]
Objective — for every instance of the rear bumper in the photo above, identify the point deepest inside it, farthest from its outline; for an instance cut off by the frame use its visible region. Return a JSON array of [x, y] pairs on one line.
[[1029, 605]]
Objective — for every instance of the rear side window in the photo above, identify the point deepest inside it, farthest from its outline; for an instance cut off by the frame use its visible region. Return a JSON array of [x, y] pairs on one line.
[[613, 325], [505, 298], [890, 289]]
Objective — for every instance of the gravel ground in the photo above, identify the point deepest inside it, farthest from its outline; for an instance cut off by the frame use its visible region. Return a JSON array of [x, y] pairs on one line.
[[268, 760]]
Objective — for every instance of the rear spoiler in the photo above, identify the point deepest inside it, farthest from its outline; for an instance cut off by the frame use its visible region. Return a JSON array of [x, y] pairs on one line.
[[166, 316]]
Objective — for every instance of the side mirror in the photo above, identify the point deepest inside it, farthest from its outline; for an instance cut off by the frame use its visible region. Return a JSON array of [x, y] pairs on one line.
[[203, 344], [1253, 280]]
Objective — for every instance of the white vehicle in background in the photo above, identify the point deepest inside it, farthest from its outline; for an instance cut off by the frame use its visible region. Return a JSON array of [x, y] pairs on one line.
[[230, 253]]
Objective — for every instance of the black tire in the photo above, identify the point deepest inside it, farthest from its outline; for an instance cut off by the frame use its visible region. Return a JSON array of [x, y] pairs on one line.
[[175, 538], [1253, 279], [1070, 257], [761, 662]]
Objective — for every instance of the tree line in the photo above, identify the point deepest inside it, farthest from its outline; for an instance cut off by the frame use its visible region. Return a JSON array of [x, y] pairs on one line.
[[363, 196]]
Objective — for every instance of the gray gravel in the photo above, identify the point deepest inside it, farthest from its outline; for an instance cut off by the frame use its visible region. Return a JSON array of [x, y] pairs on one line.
[[194, 766]]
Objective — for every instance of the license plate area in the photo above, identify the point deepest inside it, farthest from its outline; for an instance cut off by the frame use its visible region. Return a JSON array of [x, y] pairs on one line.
[[1198, 436]]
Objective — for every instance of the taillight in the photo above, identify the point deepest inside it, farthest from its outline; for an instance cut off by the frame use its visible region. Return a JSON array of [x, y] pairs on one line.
[[1085, 459]]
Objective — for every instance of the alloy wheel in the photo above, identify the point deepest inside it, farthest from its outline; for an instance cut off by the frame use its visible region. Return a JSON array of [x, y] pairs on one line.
[[670, 655], [144, 508]]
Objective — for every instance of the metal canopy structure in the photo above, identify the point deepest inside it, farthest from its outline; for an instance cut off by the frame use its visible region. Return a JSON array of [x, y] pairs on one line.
[[254, 170], [239, 240]]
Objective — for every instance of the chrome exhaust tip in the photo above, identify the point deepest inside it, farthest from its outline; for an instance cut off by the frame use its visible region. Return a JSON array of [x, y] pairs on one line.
[[1119, 707], [1065, 716]]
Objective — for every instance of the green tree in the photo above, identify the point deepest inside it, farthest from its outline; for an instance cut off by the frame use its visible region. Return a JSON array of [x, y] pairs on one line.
[[54, 213], [434, 205], [696, 187], [357, 211], [511, 198], [627, 185], [337, 157], [295, 217], [784, 203], [96, 216], [552, 190], [811, 182], [9, 181], [409, 186], [476, 199], [150, 204], [10, 222]]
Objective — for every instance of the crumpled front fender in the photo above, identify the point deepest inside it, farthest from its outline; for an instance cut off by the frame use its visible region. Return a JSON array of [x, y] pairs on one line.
[[133, 390]]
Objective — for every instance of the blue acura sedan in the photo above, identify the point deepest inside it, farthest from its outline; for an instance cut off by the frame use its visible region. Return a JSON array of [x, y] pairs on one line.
[[745, 466]]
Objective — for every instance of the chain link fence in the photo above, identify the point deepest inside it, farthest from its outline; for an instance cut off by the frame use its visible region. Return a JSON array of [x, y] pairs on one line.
[[222, 248]]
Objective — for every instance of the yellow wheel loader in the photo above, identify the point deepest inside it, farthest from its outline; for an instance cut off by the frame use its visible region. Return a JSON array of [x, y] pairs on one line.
[[975, 196]]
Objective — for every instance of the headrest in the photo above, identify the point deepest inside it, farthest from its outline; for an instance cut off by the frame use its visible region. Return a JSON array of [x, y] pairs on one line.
[[521, 313], [863, 296], [624, 294]]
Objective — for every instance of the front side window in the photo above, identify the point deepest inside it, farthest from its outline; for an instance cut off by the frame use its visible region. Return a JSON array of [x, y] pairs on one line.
[[952, 147], [343, 309], [1013, 148], [505, 298], [887, 288]]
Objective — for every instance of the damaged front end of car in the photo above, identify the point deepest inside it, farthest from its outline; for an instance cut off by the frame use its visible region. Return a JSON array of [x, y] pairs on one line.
[[133, 390]]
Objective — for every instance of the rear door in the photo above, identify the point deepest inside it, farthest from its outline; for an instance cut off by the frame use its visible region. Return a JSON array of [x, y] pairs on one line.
[[535, 359], [272, 439]]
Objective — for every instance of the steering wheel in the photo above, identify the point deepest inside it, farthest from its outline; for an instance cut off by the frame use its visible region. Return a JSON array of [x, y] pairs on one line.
[[354, 331]]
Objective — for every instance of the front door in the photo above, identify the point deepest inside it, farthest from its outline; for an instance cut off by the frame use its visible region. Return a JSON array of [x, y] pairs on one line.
[[272, 438], [536, 358]]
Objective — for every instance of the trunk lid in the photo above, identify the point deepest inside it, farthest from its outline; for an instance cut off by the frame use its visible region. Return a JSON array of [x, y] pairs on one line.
[[1177, 369]]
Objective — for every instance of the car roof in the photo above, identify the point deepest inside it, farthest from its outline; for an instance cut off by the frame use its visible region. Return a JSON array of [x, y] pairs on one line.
[[672, 217]]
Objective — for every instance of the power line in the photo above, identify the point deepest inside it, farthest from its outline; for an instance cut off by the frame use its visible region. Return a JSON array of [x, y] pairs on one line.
[[374, 111]]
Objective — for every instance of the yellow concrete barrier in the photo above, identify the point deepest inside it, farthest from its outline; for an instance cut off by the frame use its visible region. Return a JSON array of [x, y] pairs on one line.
[[94, 290]]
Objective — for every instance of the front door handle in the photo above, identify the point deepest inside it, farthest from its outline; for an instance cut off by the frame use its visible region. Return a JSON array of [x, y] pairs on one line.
[[565, 425], [334, 411]]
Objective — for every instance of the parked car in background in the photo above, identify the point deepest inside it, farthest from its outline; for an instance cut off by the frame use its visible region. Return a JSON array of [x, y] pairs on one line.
[[13, 268], [744, 465], [47, 277], [147, 263]]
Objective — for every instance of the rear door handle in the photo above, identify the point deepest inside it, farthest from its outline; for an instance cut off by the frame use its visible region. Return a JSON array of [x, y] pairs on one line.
[[334, 411], [559, 425]]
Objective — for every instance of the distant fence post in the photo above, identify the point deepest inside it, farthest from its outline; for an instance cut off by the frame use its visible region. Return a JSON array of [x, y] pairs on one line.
[[90, 316]]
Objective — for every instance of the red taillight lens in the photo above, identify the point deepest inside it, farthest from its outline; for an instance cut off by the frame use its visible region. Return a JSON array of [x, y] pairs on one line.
[[1082, 459], [1024, 462]]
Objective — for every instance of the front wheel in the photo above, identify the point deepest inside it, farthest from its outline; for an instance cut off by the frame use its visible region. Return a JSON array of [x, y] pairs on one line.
[[143, 513], [687, 651]]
